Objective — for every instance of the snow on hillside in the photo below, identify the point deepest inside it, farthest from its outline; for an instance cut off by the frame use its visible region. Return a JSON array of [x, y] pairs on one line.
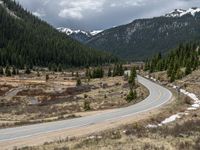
[[69, 31], [93, 33], [182, 12]]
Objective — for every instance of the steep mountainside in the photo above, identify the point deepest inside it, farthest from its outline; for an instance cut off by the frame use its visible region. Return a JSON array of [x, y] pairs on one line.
[[26, 40], [145, 37], [79, 35]]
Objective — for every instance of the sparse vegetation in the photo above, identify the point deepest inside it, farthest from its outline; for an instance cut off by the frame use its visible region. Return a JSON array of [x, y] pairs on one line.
[[87, 106], [78, 82], [60, 97], [131, 96], [7, 71]]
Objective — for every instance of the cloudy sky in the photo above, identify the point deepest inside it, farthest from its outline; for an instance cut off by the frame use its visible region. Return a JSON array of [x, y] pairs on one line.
[[101, 14]]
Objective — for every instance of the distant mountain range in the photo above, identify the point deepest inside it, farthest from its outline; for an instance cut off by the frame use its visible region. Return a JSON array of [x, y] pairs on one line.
[[144, 38], [80, 35]]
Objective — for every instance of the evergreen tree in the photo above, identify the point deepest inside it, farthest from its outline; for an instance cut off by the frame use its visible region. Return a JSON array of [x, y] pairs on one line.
[[98, 72], [131, 96], [87, 106], [7, 71], [14, 72], [132, 77], [188, 69], [27, 71], [1, 71], [185, 56], [47, 77], [77, 74], [17, 71], [118, 70], [54, 68], [78, 82], [121, 70], [60, 68]]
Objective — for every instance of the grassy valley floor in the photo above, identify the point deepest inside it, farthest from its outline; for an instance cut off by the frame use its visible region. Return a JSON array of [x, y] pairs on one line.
[[182, 134], [28, 99]]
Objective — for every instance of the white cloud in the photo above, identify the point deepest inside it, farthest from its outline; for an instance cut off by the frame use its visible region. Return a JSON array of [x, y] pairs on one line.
[[128, 3], [74, 13], [76, 9], [39, 13], [101, 14]]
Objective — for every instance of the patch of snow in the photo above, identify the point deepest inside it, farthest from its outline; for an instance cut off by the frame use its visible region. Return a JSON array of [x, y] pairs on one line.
[[191, 11], [99, 137], [153, 79], [174, 86], [193, 96], [192, 108], [93, 33], [152, 126], [91, 137], [186, 113], [124, 131], [196, 105], [171, 119], [127, 72]]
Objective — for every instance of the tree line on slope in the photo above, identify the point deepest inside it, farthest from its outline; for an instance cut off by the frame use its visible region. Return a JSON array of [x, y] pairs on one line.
[[28, 41], [178, 63]]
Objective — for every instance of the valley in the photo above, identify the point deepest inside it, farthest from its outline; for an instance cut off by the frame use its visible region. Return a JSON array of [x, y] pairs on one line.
[[27, 99], [134, 84], [181, 133]]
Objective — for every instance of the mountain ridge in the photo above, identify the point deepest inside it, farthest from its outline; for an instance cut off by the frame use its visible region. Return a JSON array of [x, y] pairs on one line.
[[79, 35], [143, 38], [182, 12]]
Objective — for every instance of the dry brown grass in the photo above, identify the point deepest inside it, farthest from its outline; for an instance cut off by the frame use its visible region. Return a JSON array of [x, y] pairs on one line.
[[59, 98], [183, 134]]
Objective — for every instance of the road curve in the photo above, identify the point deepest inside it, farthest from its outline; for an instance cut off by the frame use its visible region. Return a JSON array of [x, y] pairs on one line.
[[158, 96]]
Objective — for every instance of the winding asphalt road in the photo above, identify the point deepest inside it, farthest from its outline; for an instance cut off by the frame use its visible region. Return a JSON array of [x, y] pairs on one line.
[[158, 96]]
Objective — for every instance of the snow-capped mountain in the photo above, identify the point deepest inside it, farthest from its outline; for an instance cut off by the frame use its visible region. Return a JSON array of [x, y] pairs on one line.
[[143, 38], [182, 12], [79, 35]]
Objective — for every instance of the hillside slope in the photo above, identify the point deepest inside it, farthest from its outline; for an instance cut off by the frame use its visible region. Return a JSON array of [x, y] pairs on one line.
[[145, 37], [26, 40]]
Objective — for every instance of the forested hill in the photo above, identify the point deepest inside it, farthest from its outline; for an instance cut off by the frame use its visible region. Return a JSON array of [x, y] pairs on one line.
[[178, 63], [26, 40], [144, 38]]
